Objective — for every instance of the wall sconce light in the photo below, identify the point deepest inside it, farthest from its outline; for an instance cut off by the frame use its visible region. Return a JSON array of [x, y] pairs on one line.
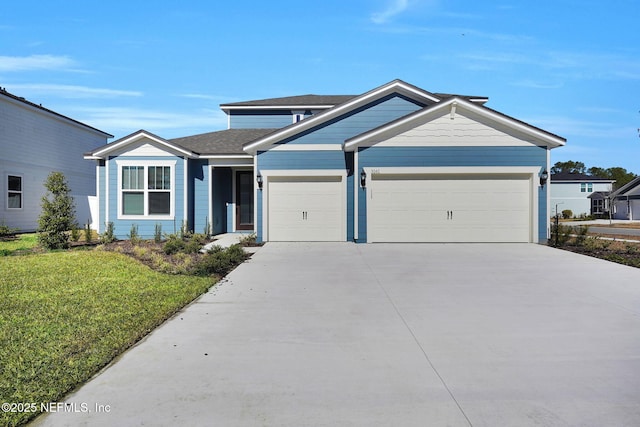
[[363, 179], [543, 177], [259, 180]]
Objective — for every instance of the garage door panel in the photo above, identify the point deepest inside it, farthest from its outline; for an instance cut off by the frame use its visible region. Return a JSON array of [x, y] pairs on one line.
[[424, 209], [305, 209]]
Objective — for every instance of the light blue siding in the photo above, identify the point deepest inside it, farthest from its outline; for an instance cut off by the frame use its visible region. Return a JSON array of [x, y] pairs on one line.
[[315, 159], [146, 226], [338, 130], [198, 195], [273, 119], [453, 156]]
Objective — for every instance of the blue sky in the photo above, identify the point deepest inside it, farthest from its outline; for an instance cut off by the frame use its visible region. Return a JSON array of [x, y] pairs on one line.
[[570, 67]]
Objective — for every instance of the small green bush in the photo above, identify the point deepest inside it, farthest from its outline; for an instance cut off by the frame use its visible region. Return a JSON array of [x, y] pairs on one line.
[[58, 213], [88, 233], [567, 214], [75, 233], [173, 245], [6, 231], [219, 261], [133, 235], [157, 234], [109, 233]]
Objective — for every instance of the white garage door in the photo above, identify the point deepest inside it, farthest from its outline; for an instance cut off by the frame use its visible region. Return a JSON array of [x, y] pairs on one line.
[[449, 208], [306, 209]]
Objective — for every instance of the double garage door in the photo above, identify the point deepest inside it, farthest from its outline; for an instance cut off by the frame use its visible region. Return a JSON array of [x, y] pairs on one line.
[[405, 208], [449, 208]]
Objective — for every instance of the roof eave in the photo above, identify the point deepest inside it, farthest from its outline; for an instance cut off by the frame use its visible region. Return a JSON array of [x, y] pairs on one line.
[[386, 89], [551, 140], [104, 151]]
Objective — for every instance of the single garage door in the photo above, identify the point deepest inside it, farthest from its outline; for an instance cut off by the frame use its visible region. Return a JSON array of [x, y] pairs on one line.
[[449, 208], [306, 209]]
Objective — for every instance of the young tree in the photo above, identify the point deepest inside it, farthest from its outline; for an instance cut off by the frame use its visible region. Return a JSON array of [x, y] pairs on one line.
[[58, 214]]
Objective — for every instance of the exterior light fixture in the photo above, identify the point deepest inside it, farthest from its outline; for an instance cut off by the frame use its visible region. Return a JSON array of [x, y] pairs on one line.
[[363, 179], [543, 177], [259, 180]]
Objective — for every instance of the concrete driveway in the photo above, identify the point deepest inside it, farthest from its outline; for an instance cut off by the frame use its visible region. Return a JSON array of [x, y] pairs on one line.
[[388, 335]]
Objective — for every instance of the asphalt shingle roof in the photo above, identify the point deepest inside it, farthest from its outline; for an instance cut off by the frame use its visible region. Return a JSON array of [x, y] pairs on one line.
[[302, 100], [228, 141], [567, 176]]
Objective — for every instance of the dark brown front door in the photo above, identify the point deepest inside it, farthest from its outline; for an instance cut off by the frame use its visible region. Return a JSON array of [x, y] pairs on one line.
[[244, 200]]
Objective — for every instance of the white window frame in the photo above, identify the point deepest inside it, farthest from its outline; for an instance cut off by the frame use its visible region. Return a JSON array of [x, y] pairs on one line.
[[298, 115], [583, 187], [146, 164], [21, 192]]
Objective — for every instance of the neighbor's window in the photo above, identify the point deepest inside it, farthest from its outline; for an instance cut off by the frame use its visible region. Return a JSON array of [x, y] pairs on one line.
[[146, 190], [14, 192], [583, 187], [598, 206], [590, 187]]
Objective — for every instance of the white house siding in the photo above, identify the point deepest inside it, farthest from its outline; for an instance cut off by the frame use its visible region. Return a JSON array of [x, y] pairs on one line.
[[567, 195], [35, 143]]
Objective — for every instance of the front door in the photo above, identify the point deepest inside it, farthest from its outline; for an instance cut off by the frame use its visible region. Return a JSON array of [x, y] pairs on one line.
[[244, 200]]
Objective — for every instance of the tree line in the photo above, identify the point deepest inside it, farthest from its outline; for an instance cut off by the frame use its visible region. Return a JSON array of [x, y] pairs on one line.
[[620, 175]]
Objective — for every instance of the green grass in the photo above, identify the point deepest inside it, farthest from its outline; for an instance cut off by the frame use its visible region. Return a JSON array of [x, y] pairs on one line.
[[65, 315], [21, 243]]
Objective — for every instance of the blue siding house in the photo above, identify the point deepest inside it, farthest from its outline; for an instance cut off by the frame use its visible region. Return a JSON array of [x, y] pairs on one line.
[[395, 164]]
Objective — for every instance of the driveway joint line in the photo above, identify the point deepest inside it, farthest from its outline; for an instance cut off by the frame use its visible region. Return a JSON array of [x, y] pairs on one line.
[[424, 353]]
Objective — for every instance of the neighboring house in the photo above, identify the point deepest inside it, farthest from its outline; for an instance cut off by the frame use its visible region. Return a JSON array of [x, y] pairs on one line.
[[626, 201], [581, 194], [34, 142], [395, 164]]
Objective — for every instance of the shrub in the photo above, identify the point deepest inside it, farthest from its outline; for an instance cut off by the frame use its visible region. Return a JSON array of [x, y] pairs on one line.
[[109, 233], [157, 234], [75, 233], [133, 235], [219, 261], [173, 245], [581, 234], [6, 231], [567, 214], [88, 233], [58, 213]]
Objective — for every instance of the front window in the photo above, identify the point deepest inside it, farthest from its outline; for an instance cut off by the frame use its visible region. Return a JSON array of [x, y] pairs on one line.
[[598, 206], [14, 192], [146, 190]]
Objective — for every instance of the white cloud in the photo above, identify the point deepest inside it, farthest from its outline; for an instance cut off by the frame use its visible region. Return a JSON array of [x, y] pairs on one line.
[[395, 8], [37, 62], [71, 91], [121, 121]]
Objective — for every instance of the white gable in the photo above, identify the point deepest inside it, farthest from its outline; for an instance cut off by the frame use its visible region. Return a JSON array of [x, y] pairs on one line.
[[454, 130], [143, 148]]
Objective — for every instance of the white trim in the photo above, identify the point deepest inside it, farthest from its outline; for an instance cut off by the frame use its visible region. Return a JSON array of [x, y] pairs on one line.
[[278, 107], [301, 173], [136, 137], [532, 171], [185, 192], [231, 162], [234, 195], [256, 191], [387, 89], [307, 147], [210, 195], [226, 156], [107, 195], [21, 192], [387, 131], [356, 193], [146, 164], [96, 220]]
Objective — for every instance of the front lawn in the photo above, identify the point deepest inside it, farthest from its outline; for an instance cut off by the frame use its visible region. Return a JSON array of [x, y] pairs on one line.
[[17, 244], [65, 315]]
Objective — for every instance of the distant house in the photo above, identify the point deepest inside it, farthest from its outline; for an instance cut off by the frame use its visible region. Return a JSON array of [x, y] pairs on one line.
[[394, 164], [626, 201], [35, 141], [582, 194]]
